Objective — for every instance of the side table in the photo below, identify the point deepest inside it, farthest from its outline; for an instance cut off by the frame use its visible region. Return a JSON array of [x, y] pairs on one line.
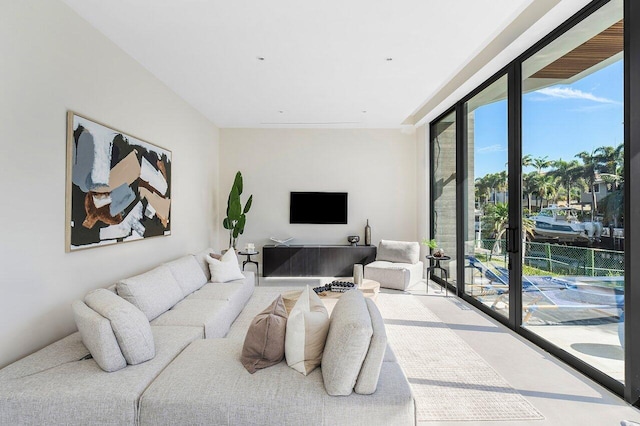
[[255, 262], [434, 263]]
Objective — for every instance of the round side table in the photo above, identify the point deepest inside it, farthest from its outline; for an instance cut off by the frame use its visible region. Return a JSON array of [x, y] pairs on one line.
[[434, 263], [255, 262]]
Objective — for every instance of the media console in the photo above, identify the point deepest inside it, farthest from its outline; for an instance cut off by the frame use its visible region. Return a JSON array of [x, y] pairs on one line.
[[314, 260]]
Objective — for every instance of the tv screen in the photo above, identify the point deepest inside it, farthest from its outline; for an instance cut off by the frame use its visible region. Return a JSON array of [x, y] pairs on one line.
[[318, 207]]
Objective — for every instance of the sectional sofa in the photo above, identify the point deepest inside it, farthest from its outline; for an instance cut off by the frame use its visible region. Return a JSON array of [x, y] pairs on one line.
[[195, 375]]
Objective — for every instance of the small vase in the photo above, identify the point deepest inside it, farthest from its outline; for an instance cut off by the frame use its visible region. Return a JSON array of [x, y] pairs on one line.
[[367, 234], [358, 272]]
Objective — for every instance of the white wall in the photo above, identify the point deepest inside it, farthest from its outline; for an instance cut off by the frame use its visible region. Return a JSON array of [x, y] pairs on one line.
[[376, 167], [53, 61]]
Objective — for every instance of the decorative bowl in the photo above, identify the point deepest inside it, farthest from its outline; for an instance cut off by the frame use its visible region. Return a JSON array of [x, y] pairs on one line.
[[353, 239]]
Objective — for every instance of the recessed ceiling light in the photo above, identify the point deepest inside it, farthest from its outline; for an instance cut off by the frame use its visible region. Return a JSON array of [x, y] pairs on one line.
[[389, 59], [281, 112], [364, 111], [260, 58]]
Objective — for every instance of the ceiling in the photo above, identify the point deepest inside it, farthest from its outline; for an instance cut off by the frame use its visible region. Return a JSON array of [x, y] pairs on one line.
[[353, 63]]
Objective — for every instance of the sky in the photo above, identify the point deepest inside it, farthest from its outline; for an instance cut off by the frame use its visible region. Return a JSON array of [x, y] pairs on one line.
[[557, 121]]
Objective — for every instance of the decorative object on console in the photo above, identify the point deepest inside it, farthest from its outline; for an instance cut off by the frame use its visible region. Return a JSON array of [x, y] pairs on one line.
[[353, 239], [307, 329], [358, 273], [118, 186], [367, 234], [264, 342], [236, 214], [226, 269], [281, 242]]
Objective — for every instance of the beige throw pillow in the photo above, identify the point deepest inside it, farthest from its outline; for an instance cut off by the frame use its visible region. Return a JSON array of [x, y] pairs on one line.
[[307, 329], [264, 343], [226, 269]]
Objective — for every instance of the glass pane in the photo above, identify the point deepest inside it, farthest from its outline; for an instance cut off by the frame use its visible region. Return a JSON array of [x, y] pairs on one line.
[[486, 210], [572, 140], [444, 191]]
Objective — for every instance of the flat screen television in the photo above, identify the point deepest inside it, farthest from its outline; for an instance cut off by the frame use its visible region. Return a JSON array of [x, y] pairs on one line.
[[318, 207]]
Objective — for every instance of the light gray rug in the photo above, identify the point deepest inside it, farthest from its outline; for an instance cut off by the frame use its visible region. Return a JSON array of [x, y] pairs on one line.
[[450, 381]]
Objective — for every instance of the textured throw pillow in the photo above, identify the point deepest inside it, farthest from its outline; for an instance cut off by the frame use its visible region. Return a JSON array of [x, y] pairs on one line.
[[187, 273], [226, 269], [129, 324], [370, 372], [347, 344], [398, 251], [264, 343], [290, 298], [98, 337], [307, 329], [215, 256]]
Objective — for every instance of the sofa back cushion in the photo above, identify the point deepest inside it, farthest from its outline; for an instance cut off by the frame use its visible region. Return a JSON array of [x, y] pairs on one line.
[[201, 258], [370, 372], [129, 324], [264, 342], [153, 292], [98, 337], [187, 273], [398, 251], [307, 329], [348, 341]]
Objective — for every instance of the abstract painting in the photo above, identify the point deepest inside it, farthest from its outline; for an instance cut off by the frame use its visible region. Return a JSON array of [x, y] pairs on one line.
[[118, 186]]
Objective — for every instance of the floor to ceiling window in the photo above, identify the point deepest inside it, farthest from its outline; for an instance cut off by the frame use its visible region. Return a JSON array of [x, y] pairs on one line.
[[443, 154], [486, 211], [553, 260], [572, 146]]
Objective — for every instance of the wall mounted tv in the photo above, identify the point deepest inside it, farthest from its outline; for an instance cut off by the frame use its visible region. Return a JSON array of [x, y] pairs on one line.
[[318, 207]]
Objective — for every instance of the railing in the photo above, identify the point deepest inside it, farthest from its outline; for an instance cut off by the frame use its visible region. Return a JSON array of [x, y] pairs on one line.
[[558, 259]]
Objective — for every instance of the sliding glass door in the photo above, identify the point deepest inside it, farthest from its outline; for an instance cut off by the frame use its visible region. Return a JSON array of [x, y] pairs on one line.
[[573, 150]]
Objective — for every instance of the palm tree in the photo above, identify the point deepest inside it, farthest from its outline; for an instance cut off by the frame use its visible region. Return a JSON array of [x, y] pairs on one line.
[[496, 218], [589, 169], [483, 190], [566, 173], [541, 163], [529, 186]]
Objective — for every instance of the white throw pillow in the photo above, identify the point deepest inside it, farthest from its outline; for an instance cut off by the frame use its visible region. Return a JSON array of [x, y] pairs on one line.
[[307, 329], [225, 269]]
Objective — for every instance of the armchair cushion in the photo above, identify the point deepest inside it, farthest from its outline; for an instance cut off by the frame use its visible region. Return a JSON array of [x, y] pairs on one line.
[[398, 251]]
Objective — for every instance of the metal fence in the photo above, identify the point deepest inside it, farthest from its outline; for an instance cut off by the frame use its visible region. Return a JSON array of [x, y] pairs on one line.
[[565, 260]]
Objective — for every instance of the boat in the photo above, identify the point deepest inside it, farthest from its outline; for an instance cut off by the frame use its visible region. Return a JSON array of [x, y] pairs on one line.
[[562, 224]]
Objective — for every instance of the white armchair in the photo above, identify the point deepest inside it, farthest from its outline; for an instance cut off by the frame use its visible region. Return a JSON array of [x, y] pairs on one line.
[[397, 265]]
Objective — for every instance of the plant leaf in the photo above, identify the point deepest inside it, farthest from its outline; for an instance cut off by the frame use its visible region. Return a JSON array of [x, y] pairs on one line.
[[226, 224], [237, 182], [248, 205], [235, 208], [240, 225]]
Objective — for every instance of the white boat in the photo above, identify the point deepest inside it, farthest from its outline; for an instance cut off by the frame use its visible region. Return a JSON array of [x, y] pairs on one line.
[[562, 223]]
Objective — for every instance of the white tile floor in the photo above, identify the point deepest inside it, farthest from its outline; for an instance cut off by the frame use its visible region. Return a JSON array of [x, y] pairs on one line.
[[563, 395]]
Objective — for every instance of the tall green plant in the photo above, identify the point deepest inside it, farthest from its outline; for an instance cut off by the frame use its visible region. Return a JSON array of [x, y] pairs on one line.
[[236, 214]]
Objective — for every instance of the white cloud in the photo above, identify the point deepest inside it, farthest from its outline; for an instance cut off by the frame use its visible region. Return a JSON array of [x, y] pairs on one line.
[[492, 148], [569, 93]]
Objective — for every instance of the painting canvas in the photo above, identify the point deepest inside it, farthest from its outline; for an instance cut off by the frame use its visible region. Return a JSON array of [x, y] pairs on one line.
[[118, 186]]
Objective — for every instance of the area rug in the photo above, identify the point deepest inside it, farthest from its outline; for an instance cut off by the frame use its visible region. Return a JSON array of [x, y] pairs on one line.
[[450, 381]]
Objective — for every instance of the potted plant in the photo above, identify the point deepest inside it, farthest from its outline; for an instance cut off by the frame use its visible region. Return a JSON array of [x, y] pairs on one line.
[[433, 245], [236, 214]]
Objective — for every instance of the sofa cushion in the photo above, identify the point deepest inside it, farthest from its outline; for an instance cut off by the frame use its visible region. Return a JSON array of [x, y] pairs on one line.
[[98, 337], [348, 341], [367, 381], [226, 269], [153, 292], [58, 385], [214, 317], [398, 251], [129, 324], [307, 329], [187, 273], [264, 343], [201, 258], [397, 276]]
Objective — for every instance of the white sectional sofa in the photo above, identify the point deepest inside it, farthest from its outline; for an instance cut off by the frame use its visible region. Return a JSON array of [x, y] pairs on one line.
[[196, 376]]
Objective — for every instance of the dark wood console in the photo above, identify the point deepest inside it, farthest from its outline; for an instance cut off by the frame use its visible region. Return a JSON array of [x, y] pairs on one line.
[[310, 261]]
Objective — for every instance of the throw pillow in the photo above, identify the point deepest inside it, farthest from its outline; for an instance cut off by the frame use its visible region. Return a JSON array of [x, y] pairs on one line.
[[370, 372], [153, 292], [290, 298], [226, 269], [307, 329], [215, 256], [129, 324], [264, 343], [98, 337], [347, 343]]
